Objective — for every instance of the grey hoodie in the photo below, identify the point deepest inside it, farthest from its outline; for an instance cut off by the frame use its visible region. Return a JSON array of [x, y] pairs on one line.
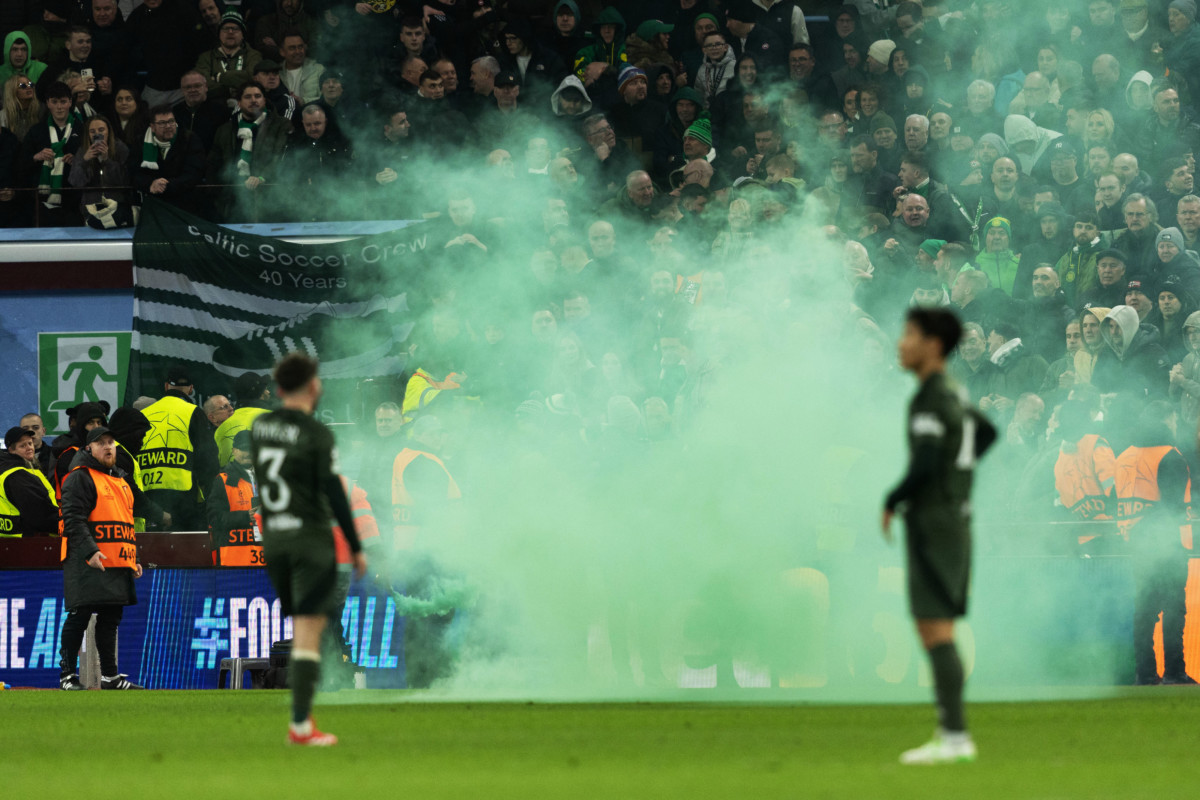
[[1022, 129], [556, 98], [1127, 320], [1187, 390]]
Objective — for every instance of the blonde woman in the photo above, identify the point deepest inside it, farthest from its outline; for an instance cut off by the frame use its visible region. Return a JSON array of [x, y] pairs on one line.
[[1099, 130], [22, 110]]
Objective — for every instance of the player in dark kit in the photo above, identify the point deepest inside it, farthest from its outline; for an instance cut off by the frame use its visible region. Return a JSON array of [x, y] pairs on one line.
[[301, 496], [945, 436]]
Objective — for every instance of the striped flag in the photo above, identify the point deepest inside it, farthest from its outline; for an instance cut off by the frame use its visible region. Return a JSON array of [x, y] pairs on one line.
[[224, 302]]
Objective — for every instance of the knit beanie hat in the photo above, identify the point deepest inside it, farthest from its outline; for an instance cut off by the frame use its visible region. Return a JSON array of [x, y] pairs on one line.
[[1000, 222], [931, 246], [713, 17], [881, 50], [1172, 235], [880, 121], [1173, 285], [700, 129], [628, 74], [1185, 7], [236, 18], [995, 141]]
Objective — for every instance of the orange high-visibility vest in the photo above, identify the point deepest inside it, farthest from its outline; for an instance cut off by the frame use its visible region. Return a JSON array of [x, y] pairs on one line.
[[111, 520], [1137, 488], [1080, 476], [402, 503], [237, 547], [58, 479]]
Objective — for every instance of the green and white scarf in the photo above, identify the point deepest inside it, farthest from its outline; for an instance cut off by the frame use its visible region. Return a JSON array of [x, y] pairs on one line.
[[154, 149], [51, 181], [245, 132]]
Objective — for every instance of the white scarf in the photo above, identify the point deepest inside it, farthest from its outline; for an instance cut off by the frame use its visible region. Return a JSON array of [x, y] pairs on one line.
[[245, 132], [153, 149], [53, 190]]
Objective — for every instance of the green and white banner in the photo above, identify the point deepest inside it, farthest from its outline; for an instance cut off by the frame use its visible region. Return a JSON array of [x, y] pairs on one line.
[[223, 302], [76, 368]]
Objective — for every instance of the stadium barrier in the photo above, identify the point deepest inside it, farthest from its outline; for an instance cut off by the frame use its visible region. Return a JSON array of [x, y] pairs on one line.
[[1036, 620]]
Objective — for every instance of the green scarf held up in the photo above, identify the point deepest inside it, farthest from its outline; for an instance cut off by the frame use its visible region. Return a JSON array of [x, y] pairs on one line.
[[245, 132], [51, 181]]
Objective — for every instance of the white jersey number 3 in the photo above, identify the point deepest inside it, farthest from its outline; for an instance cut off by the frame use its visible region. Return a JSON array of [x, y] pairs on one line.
[[275, 493]]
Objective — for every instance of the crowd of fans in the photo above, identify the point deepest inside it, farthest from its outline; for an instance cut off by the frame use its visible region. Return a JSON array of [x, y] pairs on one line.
[[627, 166]]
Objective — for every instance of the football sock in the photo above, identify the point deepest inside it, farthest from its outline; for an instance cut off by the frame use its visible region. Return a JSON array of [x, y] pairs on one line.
[[304, 674], [948, 685]]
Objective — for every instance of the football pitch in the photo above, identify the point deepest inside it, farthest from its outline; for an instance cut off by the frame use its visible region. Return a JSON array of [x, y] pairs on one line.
[[225, 744]]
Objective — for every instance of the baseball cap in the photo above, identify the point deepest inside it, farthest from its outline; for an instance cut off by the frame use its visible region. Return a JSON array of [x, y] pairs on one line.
[[507, 78], [266, 65], [651, 28], [178, 375], [14, 435], [1061, 149], [96, 433]]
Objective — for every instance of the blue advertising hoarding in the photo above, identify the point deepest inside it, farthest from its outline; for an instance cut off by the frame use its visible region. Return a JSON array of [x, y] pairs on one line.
[[185, 622]]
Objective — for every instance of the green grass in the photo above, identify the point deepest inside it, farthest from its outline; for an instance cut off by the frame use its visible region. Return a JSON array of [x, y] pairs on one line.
[[230, 744]]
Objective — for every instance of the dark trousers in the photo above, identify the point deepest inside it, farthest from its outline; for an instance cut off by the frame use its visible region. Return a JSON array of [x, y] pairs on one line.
[[1159, 587], [108, 617], [186, 513]]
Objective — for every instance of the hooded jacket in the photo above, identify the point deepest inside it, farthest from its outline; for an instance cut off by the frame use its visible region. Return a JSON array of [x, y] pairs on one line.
[[1141, 365], [67, 445], [33, 68], [1019, 129], [612, 54], [1186, 388], [129, 427], [565, 47], [571, 81], [1085, 357], [668, 142], [1142, 77], [1041, 250]]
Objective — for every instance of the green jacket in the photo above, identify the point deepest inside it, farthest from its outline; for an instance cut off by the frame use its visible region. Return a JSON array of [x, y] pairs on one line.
[[1077, 268], [33, 68], [1001, 268], [611, 54]]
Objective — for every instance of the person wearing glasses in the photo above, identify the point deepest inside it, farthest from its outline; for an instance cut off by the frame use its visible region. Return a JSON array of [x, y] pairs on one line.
[[172, 161], [22, 110]]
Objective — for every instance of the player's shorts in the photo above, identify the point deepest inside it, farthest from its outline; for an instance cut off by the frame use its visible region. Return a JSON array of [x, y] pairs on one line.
[[939, 565], [304, 576]]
